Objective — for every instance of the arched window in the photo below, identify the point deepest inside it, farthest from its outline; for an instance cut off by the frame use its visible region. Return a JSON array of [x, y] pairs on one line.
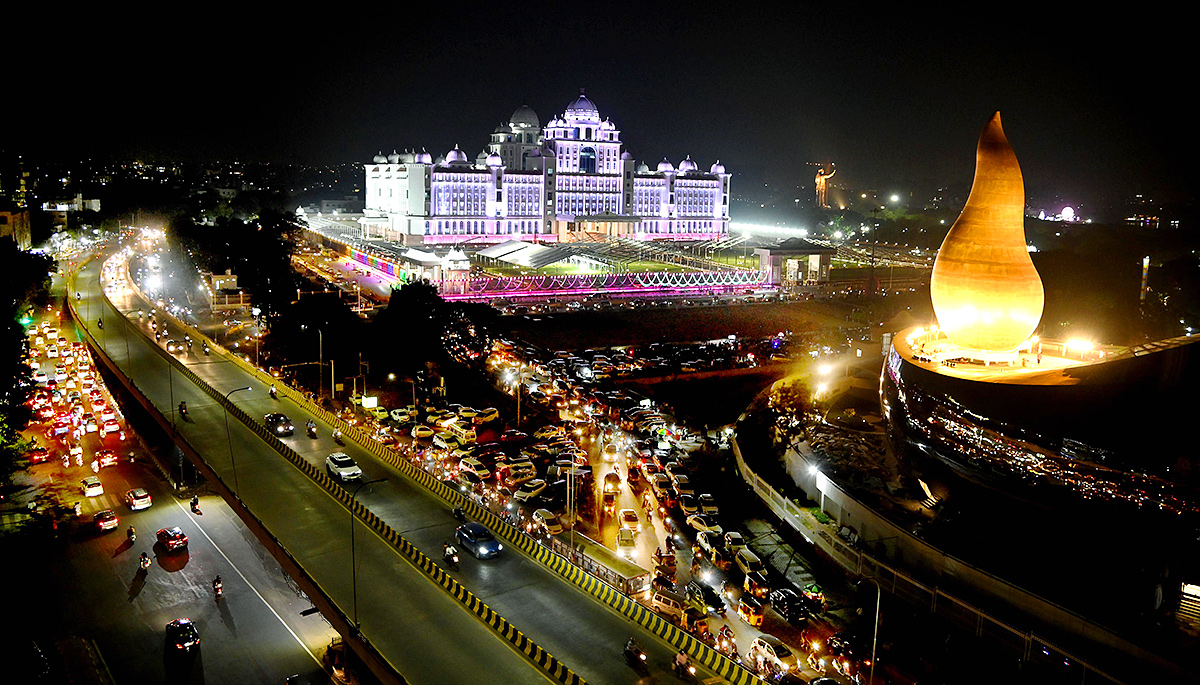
[[587, 160]]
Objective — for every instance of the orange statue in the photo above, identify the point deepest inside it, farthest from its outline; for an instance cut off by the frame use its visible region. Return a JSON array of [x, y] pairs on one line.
[[985, 290], [822, 177]]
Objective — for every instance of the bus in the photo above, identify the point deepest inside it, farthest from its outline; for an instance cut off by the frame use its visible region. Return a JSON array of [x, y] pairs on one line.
[[603, 563], [464, 432]]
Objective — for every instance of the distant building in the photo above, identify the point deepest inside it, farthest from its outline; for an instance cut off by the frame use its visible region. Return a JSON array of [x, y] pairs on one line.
[[543, 184], [15, 225]]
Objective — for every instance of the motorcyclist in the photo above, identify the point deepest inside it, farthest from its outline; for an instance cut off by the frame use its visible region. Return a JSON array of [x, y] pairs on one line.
[[183, 408], [448, 551], [217, 585], [100, 323], [131, 533], [145, 560], [195, 502], [633, 647], [274, 392], [681, 662]]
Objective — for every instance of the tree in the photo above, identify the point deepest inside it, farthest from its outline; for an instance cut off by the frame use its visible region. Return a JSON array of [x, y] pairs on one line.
[[26, 286]]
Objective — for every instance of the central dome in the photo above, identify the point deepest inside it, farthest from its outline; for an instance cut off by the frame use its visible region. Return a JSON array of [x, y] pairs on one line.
[[525, 116], [582, 108]]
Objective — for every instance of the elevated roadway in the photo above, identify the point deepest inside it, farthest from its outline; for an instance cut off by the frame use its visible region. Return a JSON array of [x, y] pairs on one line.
[[424, 633]]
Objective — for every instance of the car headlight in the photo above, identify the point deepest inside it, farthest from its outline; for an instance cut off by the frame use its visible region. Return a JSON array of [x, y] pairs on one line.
[[500, 548]]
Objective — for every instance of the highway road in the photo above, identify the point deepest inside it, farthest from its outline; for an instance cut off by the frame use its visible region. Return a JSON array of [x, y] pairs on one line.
[[413, 623], [424, 633]]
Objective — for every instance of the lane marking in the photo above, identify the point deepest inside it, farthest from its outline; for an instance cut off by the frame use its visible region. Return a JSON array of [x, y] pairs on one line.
[[238, 571]]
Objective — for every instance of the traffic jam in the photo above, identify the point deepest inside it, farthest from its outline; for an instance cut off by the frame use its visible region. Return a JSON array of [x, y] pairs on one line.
[[80, 435], [620, 479]]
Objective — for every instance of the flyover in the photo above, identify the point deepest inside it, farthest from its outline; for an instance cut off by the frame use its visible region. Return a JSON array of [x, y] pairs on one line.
[[421, 631]]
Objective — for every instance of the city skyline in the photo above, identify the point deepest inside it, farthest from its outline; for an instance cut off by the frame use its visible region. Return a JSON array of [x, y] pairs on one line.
[[889, 99]]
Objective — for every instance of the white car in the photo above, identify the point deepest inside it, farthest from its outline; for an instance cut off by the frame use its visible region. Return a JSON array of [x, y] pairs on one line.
[[529, 490], [546, 519], [400, 414], [771, 649], [702, 522], [342, 467], [138, 499], [629, 520], [708, 505], [476, 467], [419, 432], [734, 541], [91, 487], [52, 351], [626, 543]]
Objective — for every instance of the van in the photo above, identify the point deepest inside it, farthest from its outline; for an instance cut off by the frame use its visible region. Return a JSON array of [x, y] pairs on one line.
[[748, 561], [463, 431], [668, 604]]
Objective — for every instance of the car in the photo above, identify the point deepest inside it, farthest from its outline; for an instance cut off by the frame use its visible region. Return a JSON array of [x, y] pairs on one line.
[[182, 635], [629, 519], [478, 540], [683, 486], [106, 457], [626, 543], [138, 499], [476, 467], [703, 597], [771, 649], [174, 346], [688, 504], [546, 519], [89, 422], [529, 490], [734, 541], [419, 432], [40, 376], [610, 452], [400, 414], [105, 519], [703, 522], [513, 436], [91, 487], [548, 432], [38, 455], [279, 424], [379, 413], [708, 505], [707, 541], [111, 427], [788, 604], [52, 352], [172, 538], [342, 467], [485, 415]]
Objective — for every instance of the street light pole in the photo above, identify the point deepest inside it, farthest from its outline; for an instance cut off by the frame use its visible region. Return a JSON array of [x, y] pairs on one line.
[[353, 562], [875, 637], [229, 440]]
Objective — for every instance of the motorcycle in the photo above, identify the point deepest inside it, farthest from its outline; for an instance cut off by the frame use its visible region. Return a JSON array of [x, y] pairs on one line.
[[195, 505], [218, 589], [274, 393], [312, 430], [145, 562], [100, 323], [131, 535], [684, 669], [450, 557], [337, 437], [206, 349], [460, 514], [635, 656], [183, 410]]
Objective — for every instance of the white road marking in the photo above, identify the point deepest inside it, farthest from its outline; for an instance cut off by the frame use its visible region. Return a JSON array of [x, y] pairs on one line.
[[247, 581]]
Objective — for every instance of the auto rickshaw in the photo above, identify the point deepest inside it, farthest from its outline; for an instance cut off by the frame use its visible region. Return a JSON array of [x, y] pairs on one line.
[[694, 621], [756, 585], [751, 610]]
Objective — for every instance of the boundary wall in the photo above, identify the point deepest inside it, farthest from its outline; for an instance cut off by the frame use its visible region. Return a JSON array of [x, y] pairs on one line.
[[1025, 643]]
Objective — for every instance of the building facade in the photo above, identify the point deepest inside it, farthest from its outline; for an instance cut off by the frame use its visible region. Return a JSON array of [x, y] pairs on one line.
[[567, 180]]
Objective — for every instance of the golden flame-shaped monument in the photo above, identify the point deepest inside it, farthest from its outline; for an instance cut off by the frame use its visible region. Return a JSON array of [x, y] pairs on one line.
[[986, 293]]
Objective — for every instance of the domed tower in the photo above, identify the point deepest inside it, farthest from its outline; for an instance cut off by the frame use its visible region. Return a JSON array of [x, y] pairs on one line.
[[513, 140], [582, 141], [986, 293]]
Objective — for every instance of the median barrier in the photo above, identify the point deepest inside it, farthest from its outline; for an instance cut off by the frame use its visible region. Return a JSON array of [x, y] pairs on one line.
[[602, 591], [549, 664]]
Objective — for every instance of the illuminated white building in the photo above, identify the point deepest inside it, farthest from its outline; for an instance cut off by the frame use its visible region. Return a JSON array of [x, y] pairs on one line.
[[569, 178]]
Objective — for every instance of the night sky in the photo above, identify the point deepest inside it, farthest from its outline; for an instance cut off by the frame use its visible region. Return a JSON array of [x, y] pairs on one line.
[[1093, 105]]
